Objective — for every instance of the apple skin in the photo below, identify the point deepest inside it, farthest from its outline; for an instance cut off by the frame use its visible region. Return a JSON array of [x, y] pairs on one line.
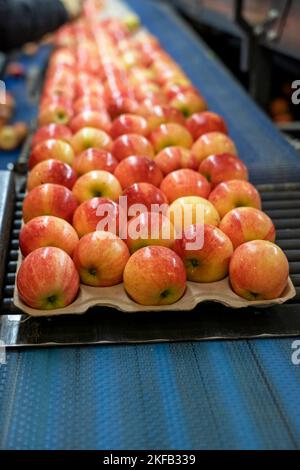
[[89, 102], [51, 149], [94, 159], [188, 102], [207, 121], [144, 193], [244, 224], [178, 212], [131, 144], [47, 231], [258, 270], [100, 258], [90, 118], [97, 183], [47, 279], [51, 131], [157, 115], [49, 199], [234, 193], [173, 158], [184, 182], [138, 170], [55, 113], [223, 167], [129, 124], [155, 275], [88, 137], [210, 262], [212, 143], [170, 134], [86, 220], [51, 171], [163, 235]]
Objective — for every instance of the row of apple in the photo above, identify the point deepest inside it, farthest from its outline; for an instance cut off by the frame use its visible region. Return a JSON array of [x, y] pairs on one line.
[[119, 119]]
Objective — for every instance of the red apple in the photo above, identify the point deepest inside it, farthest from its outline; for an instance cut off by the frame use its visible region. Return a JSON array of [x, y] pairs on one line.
[[51, 131], [131, 144], [244, 224], [146, 194], [212, 143], [47, 231], [150, 228], [206, 252], [189, 102], [170, 134], [90, 118], [100, 258], [157, 115], [258, 270], [155, 275], [191, 210], [138, 170], [47, 279], [90, 213], [223, 167], [184, 182], [55, 113], [129, 124], [51, 171], [97, 183], [89, 102], [94, 159], [173, 158], [202, 123], [51, 149], [49, 199], [89, 137], [234, 193]]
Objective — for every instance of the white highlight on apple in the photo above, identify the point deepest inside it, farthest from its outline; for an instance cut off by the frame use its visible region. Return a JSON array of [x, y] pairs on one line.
[[2, 92], [296, 354], [2, 353], [184, 218]]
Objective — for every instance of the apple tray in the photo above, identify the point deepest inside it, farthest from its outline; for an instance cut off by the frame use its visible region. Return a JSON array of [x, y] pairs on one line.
[[117, 298]]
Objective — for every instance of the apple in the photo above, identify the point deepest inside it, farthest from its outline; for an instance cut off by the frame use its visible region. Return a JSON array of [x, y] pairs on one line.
[[89, 102], [150, 228], [244, 224], [223, 167], [234, 193], [51, 131], [138, 170], [8, 138], [157, 115], [121, 105], [51, 171], [170, 134], [146, 194], [207, 261], [100, 258], [94, 159], [173, 88], [88, 215], [54, 149], [56, 113], [258, 270], [189, 210], [97, 183], [173, 158], [88, 137], [90, 118], [204, 122], [155, 275], [49, 199], [47, 279], [131, 144], [188, 102], [129, 124], [184, 182], [212, 143], [47, 231]]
